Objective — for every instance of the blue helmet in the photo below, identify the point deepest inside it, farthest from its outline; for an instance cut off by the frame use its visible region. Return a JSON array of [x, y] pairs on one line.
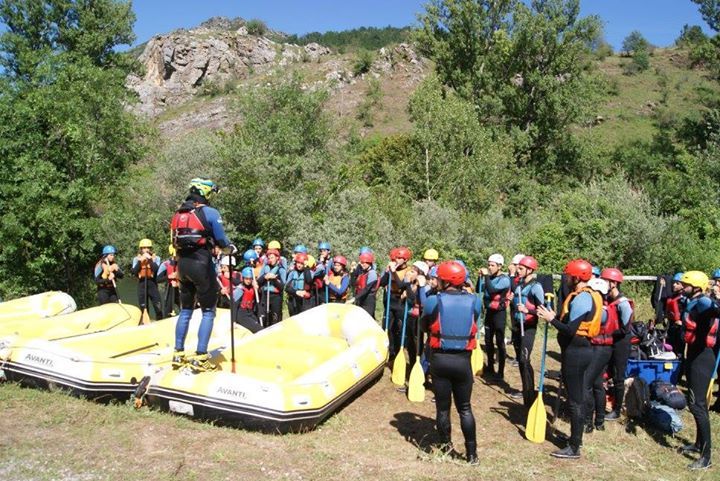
[[250, 255], [109, 249], [258, 242], [300, 249], [678, 277], [596, 271], [324, 245], [247, 273], [365, 249], [716, 274], [433, 271]]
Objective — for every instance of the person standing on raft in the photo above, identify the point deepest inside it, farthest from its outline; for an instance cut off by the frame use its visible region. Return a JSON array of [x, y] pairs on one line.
[[195, 229]]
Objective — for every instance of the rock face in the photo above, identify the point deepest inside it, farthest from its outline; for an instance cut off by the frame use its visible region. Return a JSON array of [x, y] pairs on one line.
[[220, 49]]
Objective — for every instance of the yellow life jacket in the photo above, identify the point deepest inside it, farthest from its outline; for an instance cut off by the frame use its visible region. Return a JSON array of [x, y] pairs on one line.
[[336, 280], [397, 277], [589, 328]]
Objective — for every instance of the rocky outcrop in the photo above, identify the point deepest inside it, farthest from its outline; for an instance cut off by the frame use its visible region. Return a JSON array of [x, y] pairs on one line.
[[176, 65]]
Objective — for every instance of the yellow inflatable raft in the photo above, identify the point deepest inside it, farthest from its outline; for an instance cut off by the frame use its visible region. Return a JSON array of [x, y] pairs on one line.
[[289, 377], [86, 321], [47, 304], [108, 363]]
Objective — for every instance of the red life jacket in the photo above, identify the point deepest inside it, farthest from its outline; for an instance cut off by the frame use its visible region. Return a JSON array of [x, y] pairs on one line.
[[690, 325], [247, 300], [226, 281], [146, 269], [530, 318], [613, 323], [188, 230], [672, 308]]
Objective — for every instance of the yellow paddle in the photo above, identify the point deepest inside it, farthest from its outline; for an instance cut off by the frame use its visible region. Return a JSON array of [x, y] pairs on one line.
[[416, 385], [476, 358], [537, 416], [398, 370], [712, 380]]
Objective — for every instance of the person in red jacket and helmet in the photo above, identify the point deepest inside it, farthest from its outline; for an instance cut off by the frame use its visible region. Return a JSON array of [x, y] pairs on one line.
[[299, 285], [578, 322], [366, 283], [528, 296], [395, 274], [450, 319], [619, 316]]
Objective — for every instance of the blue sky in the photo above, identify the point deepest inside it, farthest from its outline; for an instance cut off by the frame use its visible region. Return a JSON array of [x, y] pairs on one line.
[[659, 20]]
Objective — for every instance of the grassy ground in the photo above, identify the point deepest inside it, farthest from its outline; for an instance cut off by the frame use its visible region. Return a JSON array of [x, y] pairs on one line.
[[380, 436]]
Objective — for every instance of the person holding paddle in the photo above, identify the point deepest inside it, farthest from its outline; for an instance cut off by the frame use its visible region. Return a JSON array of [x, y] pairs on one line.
[[528, 296], [105, 273], [700, 320], [365, 283], [450, 319], [495, 286], [394, 278], [145, 266], [578, 322]]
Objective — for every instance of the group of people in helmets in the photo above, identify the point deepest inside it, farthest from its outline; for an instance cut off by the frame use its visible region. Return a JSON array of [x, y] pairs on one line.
[[435, 310]]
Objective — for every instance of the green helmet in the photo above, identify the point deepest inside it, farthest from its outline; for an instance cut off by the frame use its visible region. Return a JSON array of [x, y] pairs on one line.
[[203, 187]]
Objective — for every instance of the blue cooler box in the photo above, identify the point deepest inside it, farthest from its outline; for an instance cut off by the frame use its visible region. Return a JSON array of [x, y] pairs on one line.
[[654, 370]]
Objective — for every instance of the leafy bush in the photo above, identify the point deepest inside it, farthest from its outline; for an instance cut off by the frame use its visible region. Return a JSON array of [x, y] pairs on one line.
[[363, 62], [640, 62], [256, 27]]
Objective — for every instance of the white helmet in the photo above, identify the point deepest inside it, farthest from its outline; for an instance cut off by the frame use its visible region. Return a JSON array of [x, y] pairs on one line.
[[497, 259], [422, 267], [227, 260], [517, 258], [599, 285]]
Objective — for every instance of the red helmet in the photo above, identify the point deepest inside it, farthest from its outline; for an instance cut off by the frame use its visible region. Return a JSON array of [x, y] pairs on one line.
[[301, 257], [451, 272], [393, 253], [403, 253], [612, 274], [579, 268], [274, 252], [340, 260], [367, 257], [529, 262]]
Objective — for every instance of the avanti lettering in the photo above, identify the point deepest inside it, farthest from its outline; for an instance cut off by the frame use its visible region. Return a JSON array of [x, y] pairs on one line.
[[232, 392], [34, 358]]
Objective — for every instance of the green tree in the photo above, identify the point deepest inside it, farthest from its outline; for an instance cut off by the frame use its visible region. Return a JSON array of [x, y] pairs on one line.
[[65, 137], [527, 69], [710, 11], [635, 42]]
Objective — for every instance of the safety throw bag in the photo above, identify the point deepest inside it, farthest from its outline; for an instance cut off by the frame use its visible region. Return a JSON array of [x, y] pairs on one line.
[[667, 394], [664, 418], [637, 398]]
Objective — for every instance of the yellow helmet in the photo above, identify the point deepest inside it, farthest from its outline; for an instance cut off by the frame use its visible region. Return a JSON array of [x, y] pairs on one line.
[[203, 187], [431, 255], [145, 243], [171, 250], [310, 262], [696, 279], [274, 245]]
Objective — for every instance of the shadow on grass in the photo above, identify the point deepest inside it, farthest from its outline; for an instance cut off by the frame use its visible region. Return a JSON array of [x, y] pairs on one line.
[[417, 429]]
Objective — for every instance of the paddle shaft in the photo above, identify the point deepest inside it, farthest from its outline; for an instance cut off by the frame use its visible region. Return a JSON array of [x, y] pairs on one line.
[[232, 314], [113, 281], [387, 305], [712, 379]]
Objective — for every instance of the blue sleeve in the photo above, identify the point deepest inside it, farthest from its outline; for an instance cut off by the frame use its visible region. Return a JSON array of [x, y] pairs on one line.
[[624, 312], [344, 283], [538, 294], [480, 284], [429, 306], [498, 284], [477, 309], [372, 277], [579, 308], [282, 274], [703, 304], [216, 225]]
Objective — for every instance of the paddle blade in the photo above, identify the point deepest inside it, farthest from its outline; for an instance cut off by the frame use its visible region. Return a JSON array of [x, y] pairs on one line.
[[476, 360], [398, 370], [416, 387], [536, 420], [144, 317], [708, 396]]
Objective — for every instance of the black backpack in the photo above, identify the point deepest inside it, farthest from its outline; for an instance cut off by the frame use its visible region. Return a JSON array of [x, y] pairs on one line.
[[637, 399], [667, 394]]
